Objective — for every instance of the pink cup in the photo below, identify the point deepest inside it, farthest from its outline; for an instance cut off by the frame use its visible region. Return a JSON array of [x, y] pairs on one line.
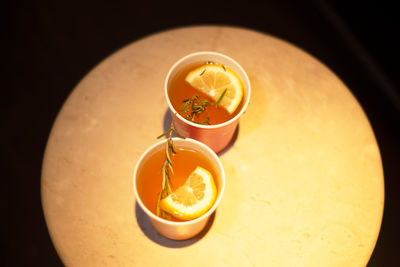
[[218, 136]]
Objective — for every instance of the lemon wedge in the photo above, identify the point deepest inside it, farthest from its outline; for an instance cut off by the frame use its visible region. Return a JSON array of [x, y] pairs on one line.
[[215, 79], [194, 198]]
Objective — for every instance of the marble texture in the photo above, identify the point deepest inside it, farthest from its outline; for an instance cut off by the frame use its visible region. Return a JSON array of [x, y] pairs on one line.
[[304, 176]]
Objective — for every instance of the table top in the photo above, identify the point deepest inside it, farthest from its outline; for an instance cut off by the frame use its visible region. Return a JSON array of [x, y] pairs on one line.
[[304, 175]]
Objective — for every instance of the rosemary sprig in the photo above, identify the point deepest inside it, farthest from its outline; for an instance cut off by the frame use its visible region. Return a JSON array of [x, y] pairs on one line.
[[166, 170], [193, 107]]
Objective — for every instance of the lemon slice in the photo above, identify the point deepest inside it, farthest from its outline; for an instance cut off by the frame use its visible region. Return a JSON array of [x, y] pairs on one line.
[[213, 79], [194, 198]]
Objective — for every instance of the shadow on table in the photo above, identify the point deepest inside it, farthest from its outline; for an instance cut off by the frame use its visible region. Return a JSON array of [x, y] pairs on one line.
[[167, 124], [148, 229], [167, 120]]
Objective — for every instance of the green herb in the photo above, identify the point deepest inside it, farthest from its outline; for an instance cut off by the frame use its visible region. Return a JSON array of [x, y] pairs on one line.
[[193, 107], [167, 170], [220, 98]]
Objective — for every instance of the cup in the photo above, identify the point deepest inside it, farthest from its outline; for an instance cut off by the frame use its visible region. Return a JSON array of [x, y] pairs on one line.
[[183, 229], [218, 136]]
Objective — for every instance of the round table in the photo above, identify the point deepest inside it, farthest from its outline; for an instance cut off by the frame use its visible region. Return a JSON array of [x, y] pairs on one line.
[[304, 175]]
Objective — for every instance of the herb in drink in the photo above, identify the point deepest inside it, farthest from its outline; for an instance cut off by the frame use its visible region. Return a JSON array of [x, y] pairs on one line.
[[167, 170], [193, 107]]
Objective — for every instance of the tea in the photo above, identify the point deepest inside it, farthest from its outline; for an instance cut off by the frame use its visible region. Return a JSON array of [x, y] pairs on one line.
[[180, 90], [149, 179]]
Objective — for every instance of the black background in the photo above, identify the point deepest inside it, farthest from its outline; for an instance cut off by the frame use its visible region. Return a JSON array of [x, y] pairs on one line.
[[50, 46]]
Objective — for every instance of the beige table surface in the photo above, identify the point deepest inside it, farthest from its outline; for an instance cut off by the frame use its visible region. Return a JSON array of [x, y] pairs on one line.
[[304, 176]]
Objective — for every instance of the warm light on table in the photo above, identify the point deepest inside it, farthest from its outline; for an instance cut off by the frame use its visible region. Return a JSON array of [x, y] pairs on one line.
[[304, 179]]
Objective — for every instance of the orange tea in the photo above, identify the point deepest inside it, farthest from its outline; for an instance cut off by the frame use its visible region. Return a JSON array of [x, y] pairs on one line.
[[180, 90], [149, 181]]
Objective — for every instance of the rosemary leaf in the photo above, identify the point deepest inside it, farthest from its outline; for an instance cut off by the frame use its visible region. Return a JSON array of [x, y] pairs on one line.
[[167, 156], [205, 122], [164, 134], [185, 106], [178, 134], [204, 101], [220, 98], [171, 169], [167, 184], [171, 147]]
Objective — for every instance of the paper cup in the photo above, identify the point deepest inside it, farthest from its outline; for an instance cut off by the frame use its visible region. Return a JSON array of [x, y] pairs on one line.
[[186, 229], [218, 136]]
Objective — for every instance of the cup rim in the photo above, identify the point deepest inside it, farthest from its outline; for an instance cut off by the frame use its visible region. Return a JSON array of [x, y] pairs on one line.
[[202, 126], [174, 223]]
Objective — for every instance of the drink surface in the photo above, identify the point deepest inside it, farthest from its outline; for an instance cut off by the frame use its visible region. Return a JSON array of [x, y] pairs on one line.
[[180, 90], [184, 162]]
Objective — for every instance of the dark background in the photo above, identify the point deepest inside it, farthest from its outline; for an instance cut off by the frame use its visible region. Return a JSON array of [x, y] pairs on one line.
[[50, 46]]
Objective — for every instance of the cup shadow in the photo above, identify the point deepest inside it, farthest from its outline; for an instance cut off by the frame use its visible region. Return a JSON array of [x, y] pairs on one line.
[[167, 120], [167, 123], [151, 233]]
